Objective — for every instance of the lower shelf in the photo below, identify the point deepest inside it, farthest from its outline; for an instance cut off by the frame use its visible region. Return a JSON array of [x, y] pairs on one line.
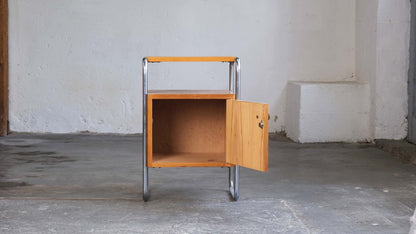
[[189, 160]]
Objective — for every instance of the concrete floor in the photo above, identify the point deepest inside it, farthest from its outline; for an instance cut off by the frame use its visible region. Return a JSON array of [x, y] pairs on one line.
[[91, 183]]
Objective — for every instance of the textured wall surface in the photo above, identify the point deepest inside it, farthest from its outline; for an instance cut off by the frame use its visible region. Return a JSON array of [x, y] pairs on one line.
[[75, 65], [393, 35], [382, 60]]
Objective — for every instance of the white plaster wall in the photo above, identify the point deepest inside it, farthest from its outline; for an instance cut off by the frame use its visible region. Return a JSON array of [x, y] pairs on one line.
[[366, 40], [392, 66], [75, 65], [293, 110], [382, 40]]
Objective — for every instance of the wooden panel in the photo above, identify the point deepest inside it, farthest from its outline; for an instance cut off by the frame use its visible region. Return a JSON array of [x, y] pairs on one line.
[[164, 118], [191, 95], [186, 132], [247, 143], [189, 160], [190, 59], [187, 91], [190, 126], [4, 68]]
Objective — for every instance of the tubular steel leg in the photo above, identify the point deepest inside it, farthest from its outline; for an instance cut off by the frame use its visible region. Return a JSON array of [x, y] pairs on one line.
[[237, 83], [231, 77], [146, 194], [237, 183], [234, 172], [238, 97], [231, 176]]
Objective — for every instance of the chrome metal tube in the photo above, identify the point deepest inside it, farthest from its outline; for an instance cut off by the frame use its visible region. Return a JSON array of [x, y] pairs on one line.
[[231, 173], [230, 76], [237, 79], [238, 97], [146, 194], [237, 183]]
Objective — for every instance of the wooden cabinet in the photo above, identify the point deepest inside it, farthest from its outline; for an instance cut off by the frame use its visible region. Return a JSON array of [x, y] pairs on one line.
[[203, 128]]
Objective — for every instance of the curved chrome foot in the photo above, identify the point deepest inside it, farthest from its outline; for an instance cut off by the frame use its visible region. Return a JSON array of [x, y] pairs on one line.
[[231, 181], [146, 196], [236, 196], [232, 191], [146, 193]]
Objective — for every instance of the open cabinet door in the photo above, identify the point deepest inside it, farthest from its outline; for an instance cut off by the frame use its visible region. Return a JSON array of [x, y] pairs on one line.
[[247, 135]]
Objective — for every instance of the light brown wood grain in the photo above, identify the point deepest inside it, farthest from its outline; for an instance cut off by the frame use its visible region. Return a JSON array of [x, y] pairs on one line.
[[187, 91], [189, 126], [186, 132], [205, 129], [189, 160], [4, 68], [190, 59], [172, 94], [246, 142]]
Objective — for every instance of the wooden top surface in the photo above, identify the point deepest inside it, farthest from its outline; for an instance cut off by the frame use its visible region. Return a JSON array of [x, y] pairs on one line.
[[190, 94], [188, 91], [190, 59]]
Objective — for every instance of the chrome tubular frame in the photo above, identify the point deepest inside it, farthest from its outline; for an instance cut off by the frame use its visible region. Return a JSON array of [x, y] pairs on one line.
[[231, 77], [237, 91], [234, 172], [146, 194]]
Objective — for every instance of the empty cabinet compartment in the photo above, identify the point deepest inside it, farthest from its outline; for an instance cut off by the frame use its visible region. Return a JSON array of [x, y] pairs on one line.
[[188, 132]]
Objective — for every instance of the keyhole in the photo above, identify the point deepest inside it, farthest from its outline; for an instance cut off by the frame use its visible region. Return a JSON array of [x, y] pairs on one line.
[[261, 124]]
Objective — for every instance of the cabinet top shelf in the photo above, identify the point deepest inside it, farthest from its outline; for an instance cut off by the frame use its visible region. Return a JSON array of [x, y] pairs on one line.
[[191, 94], [190, 59], [189, 91]]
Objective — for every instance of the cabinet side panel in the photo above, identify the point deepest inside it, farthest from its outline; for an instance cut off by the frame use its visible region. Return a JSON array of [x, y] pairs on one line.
[[247, 134]]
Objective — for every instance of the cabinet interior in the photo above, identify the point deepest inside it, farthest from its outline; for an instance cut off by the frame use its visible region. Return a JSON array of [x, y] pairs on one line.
[[188, 131]]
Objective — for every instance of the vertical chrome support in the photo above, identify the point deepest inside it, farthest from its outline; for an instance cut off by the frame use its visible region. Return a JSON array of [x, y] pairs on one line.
[[236, 183], [146, 194], [230, 77], [231, 170], [237, 79], [238, 97], [234, 172], [231, 174]]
